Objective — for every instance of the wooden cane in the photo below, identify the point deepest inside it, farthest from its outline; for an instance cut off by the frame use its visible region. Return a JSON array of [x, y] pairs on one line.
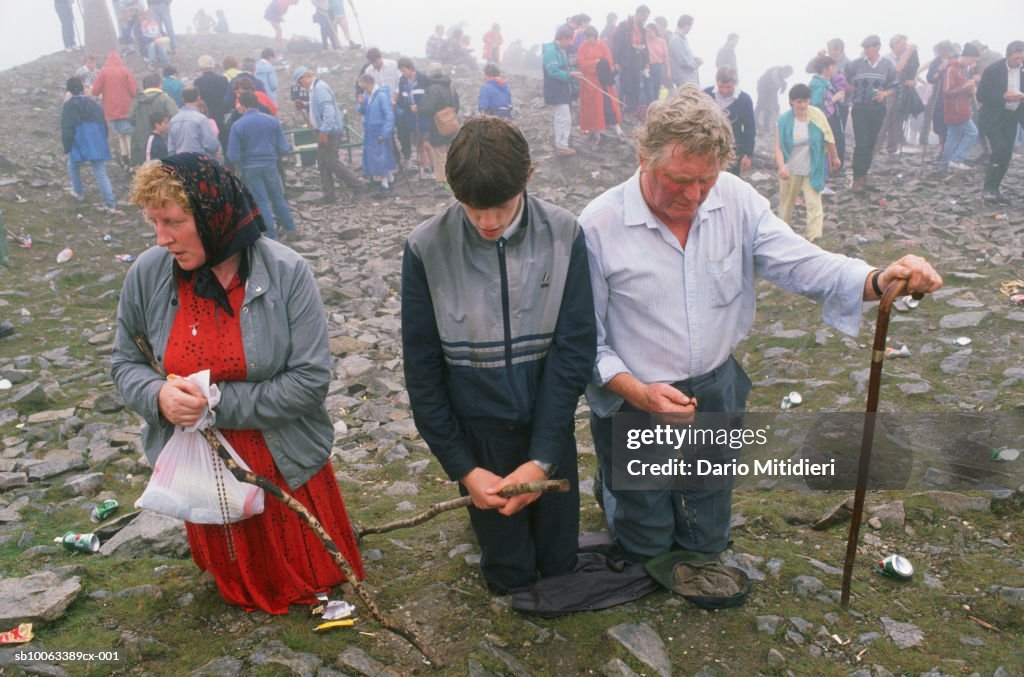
[[555, 486], [250, 477], [895, 289]]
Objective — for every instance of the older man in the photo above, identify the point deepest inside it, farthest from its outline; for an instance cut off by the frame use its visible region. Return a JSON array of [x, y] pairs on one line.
[[673, 253], [325, 118], [873, 80], [1001, 93]]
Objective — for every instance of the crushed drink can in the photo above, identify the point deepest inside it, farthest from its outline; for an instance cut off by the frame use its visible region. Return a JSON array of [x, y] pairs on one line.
[[65, 255], [127, 258], [902, 352], [75, 542], [793, 399], [961, 341], [1005, 454], [895, 566], [104, 510], [1017, 299]]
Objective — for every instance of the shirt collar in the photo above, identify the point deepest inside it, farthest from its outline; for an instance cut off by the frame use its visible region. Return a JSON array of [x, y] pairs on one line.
[[636, 212]]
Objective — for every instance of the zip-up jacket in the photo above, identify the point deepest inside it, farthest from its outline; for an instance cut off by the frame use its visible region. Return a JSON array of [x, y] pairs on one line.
[[83, 130], [497, 332]]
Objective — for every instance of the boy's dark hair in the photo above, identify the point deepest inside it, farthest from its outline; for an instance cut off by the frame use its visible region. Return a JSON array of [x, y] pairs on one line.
[[820, 63], [488, 162], [406, 62], [156, 117], [169, 71], [491, 70], [248, 64], [75, 86], [799, 91], [373, 54], [150, 81], [190, 94], [243, 83], [248, 99], [267, 53]]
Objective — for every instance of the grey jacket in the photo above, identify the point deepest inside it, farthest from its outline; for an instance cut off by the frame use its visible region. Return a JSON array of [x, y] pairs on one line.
[[190, 132], [284, 335]]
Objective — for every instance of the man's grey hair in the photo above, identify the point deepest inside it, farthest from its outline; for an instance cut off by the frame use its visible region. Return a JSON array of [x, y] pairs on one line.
[[691, 119]]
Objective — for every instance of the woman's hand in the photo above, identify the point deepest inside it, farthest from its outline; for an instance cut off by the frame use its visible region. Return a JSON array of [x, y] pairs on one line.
[[784, 173], [181, 402]]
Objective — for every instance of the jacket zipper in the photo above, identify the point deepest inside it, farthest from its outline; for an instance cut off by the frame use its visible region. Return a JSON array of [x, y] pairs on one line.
[[504, 303]]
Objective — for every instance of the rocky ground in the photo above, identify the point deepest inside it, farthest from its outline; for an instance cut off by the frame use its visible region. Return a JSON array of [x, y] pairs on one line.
[[67, 443]]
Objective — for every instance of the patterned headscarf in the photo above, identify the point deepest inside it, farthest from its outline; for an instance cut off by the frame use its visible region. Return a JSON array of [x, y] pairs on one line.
[[226, 217]]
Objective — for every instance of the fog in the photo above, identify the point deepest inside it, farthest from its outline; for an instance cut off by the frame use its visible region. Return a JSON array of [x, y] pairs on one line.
[[782, 32]]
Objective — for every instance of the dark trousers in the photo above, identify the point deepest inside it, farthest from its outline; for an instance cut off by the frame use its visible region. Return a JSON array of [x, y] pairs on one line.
[[541, 538], [330, 166], [836, 125], [404, 125], [67, 23], [651, 522], [867, 122], [1001, 134]]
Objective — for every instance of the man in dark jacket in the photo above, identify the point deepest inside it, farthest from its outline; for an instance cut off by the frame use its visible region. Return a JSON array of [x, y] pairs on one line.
[[739, 107], [1002, 111], [629, 49], [499, 339], [558, 87], [213, 87], [84, 134]]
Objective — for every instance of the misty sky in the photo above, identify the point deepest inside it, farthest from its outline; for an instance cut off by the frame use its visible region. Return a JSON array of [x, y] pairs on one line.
[[797, 28]]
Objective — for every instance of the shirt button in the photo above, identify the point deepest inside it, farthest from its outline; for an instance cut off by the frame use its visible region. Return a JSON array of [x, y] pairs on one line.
[[259, 289], [245, 309], [252, 365]]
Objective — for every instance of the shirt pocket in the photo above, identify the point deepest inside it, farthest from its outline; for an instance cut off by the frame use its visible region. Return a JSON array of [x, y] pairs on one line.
[[725, 276]]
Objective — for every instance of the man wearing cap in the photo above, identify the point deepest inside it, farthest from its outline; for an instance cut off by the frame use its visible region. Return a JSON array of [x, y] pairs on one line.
[[673, 254], [872, 80], [325, 117], [1001, 93]]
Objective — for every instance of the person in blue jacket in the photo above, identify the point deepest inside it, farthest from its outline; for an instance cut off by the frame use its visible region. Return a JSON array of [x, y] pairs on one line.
[[499, 338], [378, 130], [495, 95], [84, 134]]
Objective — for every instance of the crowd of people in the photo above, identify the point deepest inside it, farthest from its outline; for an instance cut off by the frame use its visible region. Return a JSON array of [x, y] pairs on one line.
[[512, 307]]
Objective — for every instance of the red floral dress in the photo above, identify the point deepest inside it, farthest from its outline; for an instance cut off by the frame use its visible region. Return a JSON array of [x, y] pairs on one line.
[[278, 559]]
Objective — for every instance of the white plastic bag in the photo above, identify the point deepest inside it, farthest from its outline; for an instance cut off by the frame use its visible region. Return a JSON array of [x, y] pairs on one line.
[[190, 481]]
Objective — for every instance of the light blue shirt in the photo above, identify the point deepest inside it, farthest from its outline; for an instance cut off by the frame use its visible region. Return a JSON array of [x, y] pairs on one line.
[[666, 314]]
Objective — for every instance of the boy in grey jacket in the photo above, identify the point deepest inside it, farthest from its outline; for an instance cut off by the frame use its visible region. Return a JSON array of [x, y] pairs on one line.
[[499, 339]]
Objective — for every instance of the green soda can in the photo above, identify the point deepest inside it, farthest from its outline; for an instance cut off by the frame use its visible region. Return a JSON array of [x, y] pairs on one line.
[[895, 566], [75, 542], [104, 510]]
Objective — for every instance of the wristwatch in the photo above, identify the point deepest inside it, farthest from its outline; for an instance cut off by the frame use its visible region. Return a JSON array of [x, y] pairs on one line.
[[548, 469]]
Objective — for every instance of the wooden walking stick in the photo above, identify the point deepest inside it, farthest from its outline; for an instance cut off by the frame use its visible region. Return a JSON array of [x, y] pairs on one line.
[[556, 486], [249, 477], [895, 289]]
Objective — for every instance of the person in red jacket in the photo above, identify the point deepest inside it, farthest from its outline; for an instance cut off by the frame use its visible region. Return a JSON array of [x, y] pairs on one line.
[[116, 86], [958, 90]]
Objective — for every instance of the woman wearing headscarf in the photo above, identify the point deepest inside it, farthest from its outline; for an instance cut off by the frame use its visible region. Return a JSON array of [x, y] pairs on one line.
[[214, 294]]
